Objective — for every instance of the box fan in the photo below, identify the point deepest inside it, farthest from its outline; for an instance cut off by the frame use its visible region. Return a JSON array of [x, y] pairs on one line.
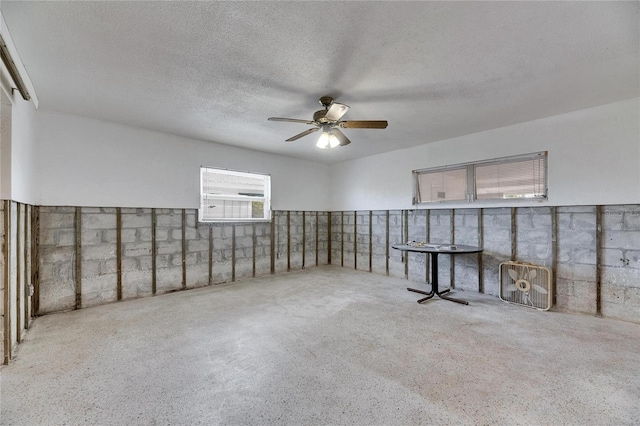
[[525, 284]]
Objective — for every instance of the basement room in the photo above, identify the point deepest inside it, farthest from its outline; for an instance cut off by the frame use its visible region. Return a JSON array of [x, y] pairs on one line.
[[320, 213]]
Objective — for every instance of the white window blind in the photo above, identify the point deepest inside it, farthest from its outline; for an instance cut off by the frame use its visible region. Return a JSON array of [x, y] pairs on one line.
[[227, 195], [517, 179], [444, 185], [508, 178]]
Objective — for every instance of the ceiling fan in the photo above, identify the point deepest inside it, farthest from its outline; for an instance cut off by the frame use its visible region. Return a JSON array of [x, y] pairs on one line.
[[328, 120]]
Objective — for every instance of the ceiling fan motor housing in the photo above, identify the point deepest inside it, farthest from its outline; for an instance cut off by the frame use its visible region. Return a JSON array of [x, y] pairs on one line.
[[319, 116]]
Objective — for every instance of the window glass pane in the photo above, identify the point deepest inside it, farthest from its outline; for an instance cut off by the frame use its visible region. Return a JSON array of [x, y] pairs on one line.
[[229, 195], [446, 185], [517, 179]]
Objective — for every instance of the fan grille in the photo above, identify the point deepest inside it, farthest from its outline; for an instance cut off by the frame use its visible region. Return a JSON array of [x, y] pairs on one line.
[[525, 284]]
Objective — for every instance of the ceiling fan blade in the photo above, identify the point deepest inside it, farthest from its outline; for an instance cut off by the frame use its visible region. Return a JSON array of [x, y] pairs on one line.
[[336, 111], [290, 120], [340, 136], [305, 133], [370, 124]]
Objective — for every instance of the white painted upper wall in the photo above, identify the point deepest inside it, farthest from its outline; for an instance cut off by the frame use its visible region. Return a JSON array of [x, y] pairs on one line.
[[24, 184], [594, 158], [86, 162]]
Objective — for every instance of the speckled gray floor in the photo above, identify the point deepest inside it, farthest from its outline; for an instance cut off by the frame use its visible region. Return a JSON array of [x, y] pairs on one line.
[[318, 347]]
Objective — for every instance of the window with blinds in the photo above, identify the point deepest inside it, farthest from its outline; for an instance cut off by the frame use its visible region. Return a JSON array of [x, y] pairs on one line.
[[509, 178], [442, 185], [227, 195]]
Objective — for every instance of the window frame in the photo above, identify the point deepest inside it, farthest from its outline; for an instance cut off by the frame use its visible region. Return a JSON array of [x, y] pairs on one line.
[[266, 199], [471, 190]]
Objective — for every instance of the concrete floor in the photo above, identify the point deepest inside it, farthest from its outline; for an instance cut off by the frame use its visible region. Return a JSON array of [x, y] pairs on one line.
[[322, 346]]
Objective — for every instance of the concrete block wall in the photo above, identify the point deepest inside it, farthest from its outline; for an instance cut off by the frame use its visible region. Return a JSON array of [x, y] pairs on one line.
[[496, 235], [98, 264], [113, 251], [112, 257], [566, 240], [620, 259], [576, 273], [136, 267], [57, 268]]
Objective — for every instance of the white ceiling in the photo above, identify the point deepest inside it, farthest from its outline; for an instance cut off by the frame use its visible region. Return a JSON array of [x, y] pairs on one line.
[[216, 70]]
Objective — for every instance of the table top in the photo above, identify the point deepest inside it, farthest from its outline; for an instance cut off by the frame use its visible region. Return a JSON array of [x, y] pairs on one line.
[[438, 248]]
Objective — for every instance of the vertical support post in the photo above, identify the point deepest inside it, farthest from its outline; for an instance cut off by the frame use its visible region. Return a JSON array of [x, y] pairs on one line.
[[329, 236], [78, 218], [599, 261], [355, 240], [233, 253], [35, 260], [119, 251], [210, 255], [386, 242], [184, 249], [406, 238], [452, 238], [27, 231], [7, 287], [18, 277], [317, 232], [514, 234], [370, 240], [342, 238], [554, 253], [253, 250], [427, 265], [154, 252], [288, 240], [304, 237], [481, 245], [272, 244]]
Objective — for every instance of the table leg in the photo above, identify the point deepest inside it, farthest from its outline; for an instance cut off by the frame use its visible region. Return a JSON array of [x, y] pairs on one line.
[[434, 285]]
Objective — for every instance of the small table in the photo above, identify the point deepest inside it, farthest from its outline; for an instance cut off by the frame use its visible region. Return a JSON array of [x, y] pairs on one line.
[[434, 250]]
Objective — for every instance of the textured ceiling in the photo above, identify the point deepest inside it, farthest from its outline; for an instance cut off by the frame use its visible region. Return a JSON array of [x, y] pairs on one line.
[[216, 70]]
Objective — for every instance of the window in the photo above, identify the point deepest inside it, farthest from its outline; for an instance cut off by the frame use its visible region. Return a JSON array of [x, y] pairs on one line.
[[227, 195], [442, 185], [509, 178]]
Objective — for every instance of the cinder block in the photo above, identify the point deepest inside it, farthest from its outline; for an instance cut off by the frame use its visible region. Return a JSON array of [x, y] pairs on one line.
[[621, 276], [98, 221], [136, 284], [99, 252], [137, 249], [576, 209], [169, 220], [621, 239], [67, 237], [137, 220], [90, 268], [56, 220], [52, 254], [632, 220], [197, 245], [172, 247], [576, 272], [88, 237]]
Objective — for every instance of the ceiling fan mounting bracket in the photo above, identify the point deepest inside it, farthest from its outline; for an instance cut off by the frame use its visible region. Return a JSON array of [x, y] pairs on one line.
[[325, 101]]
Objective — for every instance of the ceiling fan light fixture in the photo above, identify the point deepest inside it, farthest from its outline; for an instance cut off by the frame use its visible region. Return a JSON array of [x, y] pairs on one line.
[[323, 141], [333, 141]]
